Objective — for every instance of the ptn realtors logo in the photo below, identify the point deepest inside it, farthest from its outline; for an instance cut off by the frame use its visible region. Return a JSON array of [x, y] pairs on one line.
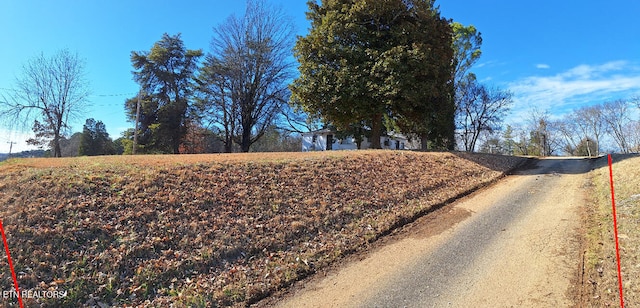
[[35, 294]]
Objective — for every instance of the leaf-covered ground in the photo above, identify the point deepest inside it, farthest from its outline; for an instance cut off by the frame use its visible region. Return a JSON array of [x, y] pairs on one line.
[[600, 279], [210, 230]]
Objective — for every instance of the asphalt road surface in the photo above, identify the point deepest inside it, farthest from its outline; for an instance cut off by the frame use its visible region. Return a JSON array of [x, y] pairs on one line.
[[514, 244]]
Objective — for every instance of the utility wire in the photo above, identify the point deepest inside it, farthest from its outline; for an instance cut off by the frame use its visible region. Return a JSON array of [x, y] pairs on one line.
[[120, 104], [98, 95], [113, 95]]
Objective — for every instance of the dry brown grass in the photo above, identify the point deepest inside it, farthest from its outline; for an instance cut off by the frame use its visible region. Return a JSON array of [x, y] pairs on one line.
[[166, 160], [209, 230], [601, 281]]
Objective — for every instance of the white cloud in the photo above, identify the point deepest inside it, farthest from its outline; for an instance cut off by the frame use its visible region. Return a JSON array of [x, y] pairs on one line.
[[490, 63], [594, 71], [486, 79], [578, 86], [543, 66]]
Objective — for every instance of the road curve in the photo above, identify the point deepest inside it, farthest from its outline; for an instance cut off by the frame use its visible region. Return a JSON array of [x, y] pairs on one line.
[[515, 244]]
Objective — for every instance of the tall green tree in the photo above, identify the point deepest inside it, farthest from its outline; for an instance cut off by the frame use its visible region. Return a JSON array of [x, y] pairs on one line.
[[509, 142], [377, 62], [424, 105], [95, 139], [166, 76], [466, 47]]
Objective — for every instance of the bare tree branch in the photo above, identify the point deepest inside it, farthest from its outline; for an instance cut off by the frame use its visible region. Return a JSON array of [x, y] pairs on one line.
[[480, 109], [616, 116], [297, 121]]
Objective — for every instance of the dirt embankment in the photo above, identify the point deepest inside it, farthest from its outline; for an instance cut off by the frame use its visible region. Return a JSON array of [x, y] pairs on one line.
[[211, 229], [600, 280]]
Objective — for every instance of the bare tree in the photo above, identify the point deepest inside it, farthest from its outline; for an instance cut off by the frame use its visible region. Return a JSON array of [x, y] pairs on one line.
[[634, 136], [544, 136], [244, 82], [590, 123], [50, 92], [215, 101], [523, 145], [616, 116], [480, 110], [567, 129]]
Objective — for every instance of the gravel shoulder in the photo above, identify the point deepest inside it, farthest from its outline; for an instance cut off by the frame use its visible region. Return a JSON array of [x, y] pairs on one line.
[[514, 244]]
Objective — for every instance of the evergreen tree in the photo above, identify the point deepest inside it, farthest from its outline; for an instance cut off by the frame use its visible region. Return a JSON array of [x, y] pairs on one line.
[[508, 144], [587, 147], [166, 76], [95, 139], [378, 62]]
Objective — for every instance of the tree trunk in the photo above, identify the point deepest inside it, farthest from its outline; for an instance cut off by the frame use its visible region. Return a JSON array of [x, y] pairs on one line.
[[424, 141], [246, 140], [472, 146], [56, 136], [176, 145], [358, 137], [228, 144], [57, 151], [376, 132], [178, 138]]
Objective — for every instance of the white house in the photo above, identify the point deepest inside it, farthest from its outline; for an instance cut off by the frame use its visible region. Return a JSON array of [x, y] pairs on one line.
[[325, 140]]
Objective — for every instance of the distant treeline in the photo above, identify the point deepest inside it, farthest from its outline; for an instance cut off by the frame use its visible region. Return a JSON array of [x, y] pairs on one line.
[[24, 154]]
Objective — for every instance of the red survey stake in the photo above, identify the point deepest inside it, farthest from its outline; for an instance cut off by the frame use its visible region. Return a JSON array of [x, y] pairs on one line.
[[13, 273], [615, 231]]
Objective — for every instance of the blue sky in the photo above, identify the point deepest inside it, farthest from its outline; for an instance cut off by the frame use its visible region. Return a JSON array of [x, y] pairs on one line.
[[555, 55]]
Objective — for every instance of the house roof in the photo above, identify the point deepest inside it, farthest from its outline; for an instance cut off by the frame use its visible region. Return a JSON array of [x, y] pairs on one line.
[[320, 131], [393, 135]]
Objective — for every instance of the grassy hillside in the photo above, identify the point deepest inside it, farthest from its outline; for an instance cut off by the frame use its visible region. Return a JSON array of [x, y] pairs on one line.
[[600, 279], [211, 230]]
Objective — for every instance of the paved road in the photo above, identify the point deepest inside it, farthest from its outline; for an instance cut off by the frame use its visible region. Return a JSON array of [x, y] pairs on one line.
[[514, 244]]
